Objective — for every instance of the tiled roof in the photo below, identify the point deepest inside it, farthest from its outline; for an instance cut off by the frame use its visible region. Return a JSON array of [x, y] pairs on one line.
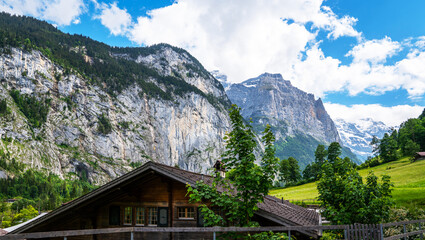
[[290, 213]]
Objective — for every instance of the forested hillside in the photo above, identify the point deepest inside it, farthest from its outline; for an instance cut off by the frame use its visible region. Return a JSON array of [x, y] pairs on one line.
[[404, 142]]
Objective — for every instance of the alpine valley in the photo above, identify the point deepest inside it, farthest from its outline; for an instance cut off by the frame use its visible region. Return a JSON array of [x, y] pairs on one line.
[[81, 109]]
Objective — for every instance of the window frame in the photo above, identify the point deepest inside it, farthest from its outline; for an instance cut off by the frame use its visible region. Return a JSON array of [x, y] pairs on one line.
[[131, 216], [143, 214], [155, 215], [186, 213]]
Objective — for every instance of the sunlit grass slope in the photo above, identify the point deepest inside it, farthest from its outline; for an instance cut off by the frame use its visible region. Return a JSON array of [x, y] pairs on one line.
[[408, 179]]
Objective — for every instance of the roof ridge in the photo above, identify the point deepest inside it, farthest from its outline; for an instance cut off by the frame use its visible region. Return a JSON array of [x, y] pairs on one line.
[[179, 169]]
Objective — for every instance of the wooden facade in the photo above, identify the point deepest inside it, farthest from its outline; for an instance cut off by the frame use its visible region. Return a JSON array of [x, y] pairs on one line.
[[149, 197]]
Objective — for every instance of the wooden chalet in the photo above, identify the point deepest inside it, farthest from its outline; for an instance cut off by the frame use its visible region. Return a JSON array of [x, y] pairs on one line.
[[155, 195]]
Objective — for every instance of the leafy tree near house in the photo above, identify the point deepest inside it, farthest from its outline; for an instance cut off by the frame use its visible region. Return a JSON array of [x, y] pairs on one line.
[[250, 183], [346, 199]]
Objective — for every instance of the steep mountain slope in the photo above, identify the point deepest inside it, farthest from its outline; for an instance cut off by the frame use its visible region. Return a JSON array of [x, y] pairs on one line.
[[104, 110], [357, 136], [299, 121]]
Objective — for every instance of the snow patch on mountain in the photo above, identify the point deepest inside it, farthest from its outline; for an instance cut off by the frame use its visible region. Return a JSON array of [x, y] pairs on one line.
[[357, 136]]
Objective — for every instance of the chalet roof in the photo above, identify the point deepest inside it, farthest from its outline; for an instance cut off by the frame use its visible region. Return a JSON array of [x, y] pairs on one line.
[[2, 232], [421, 154], [272, 208], [288, 213]]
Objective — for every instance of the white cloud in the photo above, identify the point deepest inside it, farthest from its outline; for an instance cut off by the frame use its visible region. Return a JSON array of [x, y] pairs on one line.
[[242, 41], [337, 27], [367, 73], [61, 12], [115, 19], [374, 51], [391, 116]]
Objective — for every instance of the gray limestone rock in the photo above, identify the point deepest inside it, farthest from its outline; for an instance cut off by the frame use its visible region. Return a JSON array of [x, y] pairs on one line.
[[186, 132]]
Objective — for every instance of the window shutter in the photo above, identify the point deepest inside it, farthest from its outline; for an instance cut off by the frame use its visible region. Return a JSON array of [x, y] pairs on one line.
[[200, 218], [162, 217], [114, 215]]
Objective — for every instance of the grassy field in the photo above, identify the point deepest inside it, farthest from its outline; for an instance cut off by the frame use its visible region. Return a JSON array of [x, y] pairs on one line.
[[408, 179]]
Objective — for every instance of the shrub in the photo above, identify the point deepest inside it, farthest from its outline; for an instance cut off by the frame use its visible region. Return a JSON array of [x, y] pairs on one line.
[[104, 125]]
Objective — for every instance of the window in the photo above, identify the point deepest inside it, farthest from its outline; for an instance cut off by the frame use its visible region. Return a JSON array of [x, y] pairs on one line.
[[186, 212], [152, 216], [140, 216], [128, 215], [114, 215]]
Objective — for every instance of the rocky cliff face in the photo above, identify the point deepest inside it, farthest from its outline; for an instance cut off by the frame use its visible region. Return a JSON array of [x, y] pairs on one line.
[[268, 99], [357, 136], [299, 121], [186, 131]]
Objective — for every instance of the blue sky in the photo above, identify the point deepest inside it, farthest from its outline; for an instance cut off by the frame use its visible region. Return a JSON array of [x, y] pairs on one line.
[[363, 58]]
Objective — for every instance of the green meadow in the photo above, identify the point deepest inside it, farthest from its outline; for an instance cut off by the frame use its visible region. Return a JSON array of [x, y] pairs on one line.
[[408, 179]]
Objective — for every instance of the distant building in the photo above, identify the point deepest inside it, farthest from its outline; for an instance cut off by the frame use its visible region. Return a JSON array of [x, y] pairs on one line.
[[419, 156], [155, 195], [12, 200]]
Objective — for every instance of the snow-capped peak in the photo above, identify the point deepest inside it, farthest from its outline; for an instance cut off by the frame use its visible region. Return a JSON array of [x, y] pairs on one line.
[[358, 135]]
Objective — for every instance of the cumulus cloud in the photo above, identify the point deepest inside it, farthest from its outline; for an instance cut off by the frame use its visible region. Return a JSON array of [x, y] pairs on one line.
[[61, 12], [115, 19], [242, 41], [391, 116], [374, 51], [336, 26], [368, 72]]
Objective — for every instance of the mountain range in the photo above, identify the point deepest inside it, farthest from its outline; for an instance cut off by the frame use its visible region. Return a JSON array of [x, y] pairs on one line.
[[357, 136]]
